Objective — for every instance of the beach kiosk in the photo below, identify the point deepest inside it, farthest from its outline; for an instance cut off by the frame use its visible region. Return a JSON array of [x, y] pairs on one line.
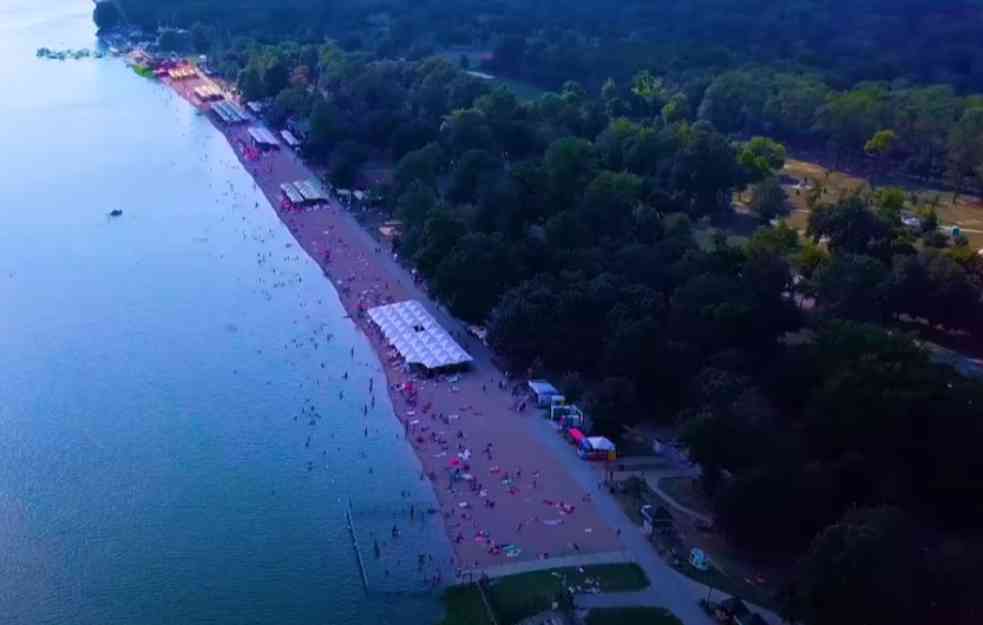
[[597, 448], [304, 192], [576, 436], [229, 112], [567, 415], [543, 392], [291, 194], [289, 138], [209, 92], [263, 139]]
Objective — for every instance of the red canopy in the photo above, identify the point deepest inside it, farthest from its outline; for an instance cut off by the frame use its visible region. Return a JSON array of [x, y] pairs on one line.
[[576, 435]]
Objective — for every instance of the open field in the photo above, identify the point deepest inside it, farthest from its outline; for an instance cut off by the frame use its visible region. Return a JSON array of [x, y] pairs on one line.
[[520, 596], [966, 212], [464, 606], [522, 90], [686, 491]]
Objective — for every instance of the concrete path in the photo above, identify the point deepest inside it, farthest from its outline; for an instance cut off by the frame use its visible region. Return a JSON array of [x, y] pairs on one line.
[[653, 482], [514, 568]]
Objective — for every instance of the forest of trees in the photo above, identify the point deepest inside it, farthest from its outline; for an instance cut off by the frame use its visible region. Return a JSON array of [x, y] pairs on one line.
[[578, 227], [826, 75], [550, 41]]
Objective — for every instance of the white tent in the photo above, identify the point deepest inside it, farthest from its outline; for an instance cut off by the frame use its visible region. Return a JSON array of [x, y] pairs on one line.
[[263, 137], [599, 443], [417, 336], [289, 138], [544, 392]]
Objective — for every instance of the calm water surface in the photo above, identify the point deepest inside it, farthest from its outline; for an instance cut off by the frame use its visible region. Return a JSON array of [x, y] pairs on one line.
[[159, 373]]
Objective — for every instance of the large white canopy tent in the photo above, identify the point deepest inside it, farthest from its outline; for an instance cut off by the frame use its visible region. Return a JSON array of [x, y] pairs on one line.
[[417, 336]]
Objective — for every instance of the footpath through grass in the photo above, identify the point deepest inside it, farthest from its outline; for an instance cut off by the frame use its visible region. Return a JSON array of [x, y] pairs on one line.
[[631, 501], [632, 616], [520, 596]]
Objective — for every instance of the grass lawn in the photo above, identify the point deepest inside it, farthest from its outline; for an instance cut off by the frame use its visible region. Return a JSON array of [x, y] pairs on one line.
[[464, 606], [522, 90], [520, 596], [729, 584], [703, 236], [966, 212], [686, 491], [632, 616]]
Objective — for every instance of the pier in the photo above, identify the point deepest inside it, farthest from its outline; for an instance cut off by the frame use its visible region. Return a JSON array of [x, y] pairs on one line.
[[358, 550]]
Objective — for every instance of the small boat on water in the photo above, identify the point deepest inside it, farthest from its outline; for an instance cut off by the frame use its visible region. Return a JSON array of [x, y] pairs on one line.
[[115, 212]]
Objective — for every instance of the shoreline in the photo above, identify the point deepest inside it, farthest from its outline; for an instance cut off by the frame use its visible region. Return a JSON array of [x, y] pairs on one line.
[[520, 500]]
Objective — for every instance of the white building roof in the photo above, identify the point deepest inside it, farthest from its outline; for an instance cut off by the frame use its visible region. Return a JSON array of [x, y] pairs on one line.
[[262, 136], [289, 138], [542, 388], [417, 336], [600, 443], [230, 112], [312, 190], [292, 193]]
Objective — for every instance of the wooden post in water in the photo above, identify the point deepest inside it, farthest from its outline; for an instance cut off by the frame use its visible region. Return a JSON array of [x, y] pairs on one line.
[[358, 551]]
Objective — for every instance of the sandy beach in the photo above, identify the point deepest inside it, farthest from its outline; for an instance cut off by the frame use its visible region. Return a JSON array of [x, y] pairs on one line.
[[519, 503]]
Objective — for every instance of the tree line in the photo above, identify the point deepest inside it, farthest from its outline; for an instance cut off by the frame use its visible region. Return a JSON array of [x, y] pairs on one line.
[[832, 76]]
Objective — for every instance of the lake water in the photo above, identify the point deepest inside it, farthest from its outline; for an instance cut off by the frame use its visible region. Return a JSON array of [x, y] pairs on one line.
[[160, 372]]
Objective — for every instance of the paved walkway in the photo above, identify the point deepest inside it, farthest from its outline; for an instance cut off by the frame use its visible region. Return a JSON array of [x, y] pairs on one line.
[[653, 482], [514, 568]]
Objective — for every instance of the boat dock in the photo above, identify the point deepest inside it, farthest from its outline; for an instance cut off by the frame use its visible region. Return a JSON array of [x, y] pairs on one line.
[[358, 550]]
